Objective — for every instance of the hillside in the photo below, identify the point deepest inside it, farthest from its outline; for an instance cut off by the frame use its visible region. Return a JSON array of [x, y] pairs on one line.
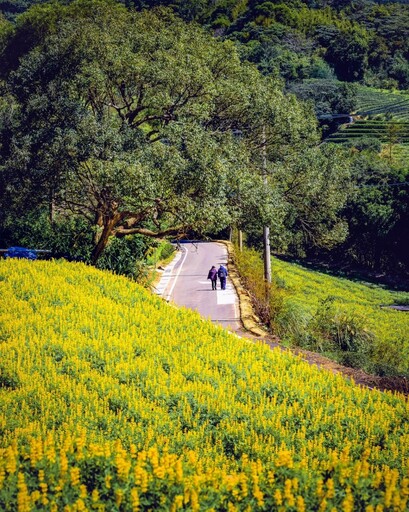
[[114, 400], [153, 112]]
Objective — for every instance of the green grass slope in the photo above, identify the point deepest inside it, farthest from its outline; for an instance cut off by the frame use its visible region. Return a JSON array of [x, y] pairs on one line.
[[113, 400], [330, 313]]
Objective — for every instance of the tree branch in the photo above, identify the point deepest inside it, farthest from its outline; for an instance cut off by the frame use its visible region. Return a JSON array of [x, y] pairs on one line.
[[177, 230]]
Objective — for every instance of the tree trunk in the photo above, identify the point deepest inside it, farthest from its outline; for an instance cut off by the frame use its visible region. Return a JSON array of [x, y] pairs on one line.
[[51, 206], [109, 225]]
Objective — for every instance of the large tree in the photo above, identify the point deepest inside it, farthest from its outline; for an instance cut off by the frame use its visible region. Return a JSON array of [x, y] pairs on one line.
[[114, 120]]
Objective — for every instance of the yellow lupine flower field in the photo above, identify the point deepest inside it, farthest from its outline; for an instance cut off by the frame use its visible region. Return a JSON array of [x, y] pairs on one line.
[[112, 400]]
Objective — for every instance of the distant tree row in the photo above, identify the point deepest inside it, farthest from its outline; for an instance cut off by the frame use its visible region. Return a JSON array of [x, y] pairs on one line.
[[301, 39]]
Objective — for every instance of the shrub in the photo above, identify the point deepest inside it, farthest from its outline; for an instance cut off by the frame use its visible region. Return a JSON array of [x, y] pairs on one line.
[[338, 330]]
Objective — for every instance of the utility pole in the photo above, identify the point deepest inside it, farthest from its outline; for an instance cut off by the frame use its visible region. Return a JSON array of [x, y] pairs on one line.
[[240, 240], [266, 229]]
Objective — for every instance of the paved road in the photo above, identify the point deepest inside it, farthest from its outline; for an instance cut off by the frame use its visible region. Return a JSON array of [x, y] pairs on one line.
[[185, 282]]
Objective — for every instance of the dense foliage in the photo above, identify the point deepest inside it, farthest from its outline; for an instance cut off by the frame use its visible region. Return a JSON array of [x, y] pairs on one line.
[[130, 120], [138, 123], [112, 400], [300, 39]]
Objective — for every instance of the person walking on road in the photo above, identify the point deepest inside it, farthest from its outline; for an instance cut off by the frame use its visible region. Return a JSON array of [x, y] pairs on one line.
[[212, 275], [222, 273]]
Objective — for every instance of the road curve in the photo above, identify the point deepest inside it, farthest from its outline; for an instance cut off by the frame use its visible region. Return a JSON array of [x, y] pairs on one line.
[[184, 282]]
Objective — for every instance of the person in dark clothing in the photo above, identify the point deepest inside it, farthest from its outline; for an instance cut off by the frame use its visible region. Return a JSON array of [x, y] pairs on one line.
[[222, 273], [212, 275]]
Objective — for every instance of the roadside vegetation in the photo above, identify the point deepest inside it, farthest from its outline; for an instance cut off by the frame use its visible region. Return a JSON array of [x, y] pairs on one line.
[[346, 320], [113, 400]]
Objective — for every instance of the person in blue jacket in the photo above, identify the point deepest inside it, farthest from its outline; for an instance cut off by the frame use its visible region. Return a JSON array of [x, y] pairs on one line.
[[222, 273]]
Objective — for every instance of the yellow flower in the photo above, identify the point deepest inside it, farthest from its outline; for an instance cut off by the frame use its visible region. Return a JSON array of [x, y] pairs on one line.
[[278, 497], [23, 497], [75, 476]]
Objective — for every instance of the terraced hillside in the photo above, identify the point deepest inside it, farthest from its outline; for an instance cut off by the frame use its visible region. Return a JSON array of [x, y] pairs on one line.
[[381, 115], [385, 131], [113, 400], [373, 102]]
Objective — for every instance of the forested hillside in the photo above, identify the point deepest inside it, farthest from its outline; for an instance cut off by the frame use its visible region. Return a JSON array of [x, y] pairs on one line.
[[97, 96], [301, 39]]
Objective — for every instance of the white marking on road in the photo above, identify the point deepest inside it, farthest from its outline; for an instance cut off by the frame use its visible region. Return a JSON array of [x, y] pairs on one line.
[[177, 275], [227, 296], [167, 275]]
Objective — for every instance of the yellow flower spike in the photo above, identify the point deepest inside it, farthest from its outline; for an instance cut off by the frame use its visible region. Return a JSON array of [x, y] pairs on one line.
[[107, 481], [35, 496], [330, 493], [80, 505], [284, 459], [135, 500], [159, 472], [320, 488], [194, 500], [95, 496], [243, 483], [133, 451], [23, 497], [405, 486], [11, 460], [192, 457], [300, 504], [348, 501], [179, 471], [186, 496], [75, 476], [278, 497], [119, 495], [123, 466], [178, 502]]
